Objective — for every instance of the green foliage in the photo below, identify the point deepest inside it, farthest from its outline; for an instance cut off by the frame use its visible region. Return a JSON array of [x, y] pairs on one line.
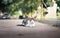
[[58, 17], [58, 2], [25, 5], [49, 2]]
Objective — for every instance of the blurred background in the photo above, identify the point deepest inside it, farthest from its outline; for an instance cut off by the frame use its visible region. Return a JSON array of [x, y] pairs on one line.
[[45, 15], [37, 9]]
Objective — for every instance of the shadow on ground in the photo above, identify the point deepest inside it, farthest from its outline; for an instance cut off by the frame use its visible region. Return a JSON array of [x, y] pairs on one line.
[[56, 26], [20, 34], [20, 25]]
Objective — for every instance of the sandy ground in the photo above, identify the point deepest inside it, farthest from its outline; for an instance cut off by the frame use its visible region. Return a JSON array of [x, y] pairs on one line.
[[12, 29]]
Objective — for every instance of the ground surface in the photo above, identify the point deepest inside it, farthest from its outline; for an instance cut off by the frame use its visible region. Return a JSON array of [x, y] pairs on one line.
[[11, 29]]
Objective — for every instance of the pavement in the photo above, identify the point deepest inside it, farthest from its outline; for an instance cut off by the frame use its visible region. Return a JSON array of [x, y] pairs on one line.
[[12, 29], [55, 23]]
